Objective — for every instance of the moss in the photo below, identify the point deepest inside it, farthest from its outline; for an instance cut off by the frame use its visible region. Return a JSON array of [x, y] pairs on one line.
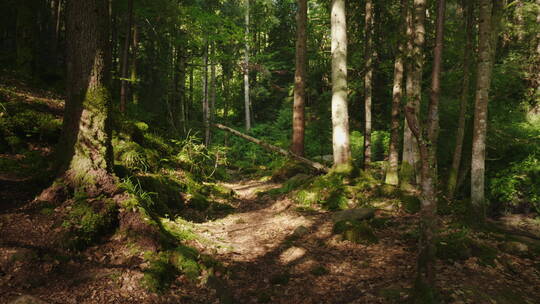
[[88, 221], [410, 203], [160, 273], [291, 169], [185, 261], [406, 173], [356, 232], [389, 191], [459, 246]]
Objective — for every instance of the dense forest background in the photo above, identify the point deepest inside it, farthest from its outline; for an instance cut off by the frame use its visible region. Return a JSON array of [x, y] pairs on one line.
[[441, 102]]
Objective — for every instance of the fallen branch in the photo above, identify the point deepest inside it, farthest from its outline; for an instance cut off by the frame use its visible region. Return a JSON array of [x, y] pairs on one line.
[[316, 165]]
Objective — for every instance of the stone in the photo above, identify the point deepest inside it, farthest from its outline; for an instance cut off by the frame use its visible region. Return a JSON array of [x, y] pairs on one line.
[[300, 231], [357, 214]]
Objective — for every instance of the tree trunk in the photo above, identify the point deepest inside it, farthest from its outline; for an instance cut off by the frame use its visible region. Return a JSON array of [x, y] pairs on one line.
[[212, 93], [427, 141], [85, 147], [467, 61], [205, 104], [368, 78], [247, 101], [392, 177], [300, 80], [409, 173], [133, 89], [125, 59], [340, 115], [486, 49]]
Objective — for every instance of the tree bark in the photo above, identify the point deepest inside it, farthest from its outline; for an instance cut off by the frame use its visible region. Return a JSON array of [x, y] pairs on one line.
[[125, 59], [409, 174], [368, 78], [316, 165], [467, 62], [212, 93], [300, 80], [340, 115], [483, 82], [427, 141], [392, 177], [247, 101], [205, 103], [85, 148]]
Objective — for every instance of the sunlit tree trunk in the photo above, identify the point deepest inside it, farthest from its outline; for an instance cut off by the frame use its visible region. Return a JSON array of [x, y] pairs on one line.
[[85, 149], [300, 80], [409, 173], [125, 59], [392, 177], [340, 115], [134, 93], [247, 101], [465, 88], [368, 79], [487, 30]]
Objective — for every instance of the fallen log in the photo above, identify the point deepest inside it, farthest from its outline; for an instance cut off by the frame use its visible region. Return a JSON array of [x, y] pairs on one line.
[[269, 147]]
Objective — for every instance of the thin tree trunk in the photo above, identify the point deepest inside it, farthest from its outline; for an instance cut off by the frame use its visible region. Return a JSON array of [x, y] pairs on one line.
[[300, 80], [133, 89], [85, 149], [392, 177], [125, 59], [483, 82], [212, 93], [368, 78], [340, 115], [427, 141], [467, 61], [409, 173], [247, 101], [205, 104]]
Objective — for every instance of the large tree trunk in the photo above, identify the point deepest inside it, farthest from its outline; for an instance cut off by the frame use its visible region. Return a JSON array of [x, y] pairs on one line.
[[368, 79], [247, 101], [409, 173], [300, 80], [486, 48], [85, 149], [340, 115], [467, 61], [125, 59], [392, 177]]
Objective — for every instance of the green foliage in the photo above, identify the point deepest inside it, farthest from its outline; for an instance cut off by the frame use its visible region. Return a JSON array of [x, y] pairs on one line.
[[517, 188], [458, 245]]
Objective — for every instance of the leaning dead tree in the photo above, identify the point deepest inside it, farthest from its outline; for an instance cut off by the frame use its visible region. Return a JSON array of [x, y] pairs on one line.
[[318, 166]]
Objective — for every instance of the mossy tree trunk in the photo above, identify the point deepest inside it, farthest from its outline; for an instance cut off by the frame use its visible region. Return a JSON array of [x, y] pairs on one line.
[[340, 115], [85, 150], [392, 177]]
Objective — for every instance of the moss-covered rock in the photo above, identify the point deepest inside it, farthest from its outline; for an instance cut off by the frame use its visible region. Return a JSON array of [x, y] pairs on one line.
[[356, 231]]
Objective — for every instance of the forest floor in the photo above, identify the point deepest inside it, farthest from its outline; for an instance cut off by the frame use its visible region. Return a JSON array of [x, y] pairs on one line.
[[272, 252]]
